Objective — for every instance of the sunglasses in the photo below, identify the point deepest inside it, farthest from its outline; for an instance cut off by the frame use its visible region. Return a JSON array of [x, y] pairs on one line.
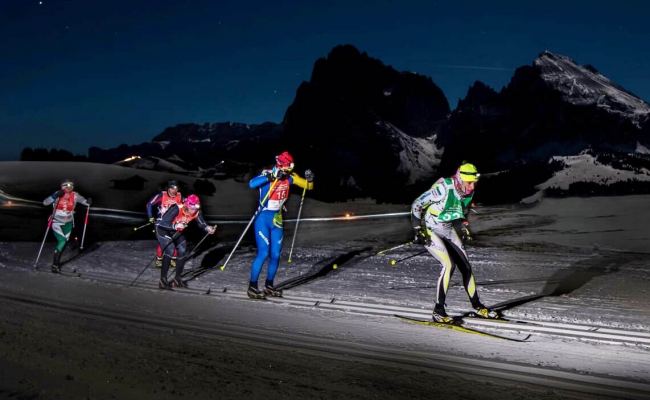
[[67, 185]]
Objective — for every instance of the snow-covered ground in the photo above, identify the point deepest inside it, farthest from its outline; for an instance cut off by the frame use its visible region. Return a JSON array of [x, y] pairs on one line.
[[584, 168], [577, 267]]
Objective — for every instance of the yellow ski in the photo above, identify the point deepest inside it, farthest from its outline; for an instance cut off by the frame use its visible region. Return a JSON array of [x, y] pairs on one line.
[[457, 327]]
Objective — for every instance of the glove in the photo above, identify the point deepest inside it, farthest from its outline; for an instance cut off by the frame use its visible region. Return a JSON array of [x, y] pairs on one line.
[[89, 201], [57, 194], [212, 229], [309, 175], [464, 232], [420, 236], [152, 220], [269, 176], [179, 227], [281, 174]]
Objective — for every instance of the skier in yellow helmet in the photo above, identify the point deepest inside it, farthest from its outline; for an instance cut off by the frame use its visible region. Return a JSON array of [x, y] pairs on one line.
[[433, 216]]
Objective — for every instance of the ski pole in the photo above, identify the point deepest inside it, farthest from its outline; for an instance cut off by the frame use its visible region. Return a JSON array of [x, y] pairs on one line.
[[49, 224], [393, 262], [197, 246], [259, 209], [189, 255], [295, 231], [394, 248], [83, 236], [143, 226], [174, 236]]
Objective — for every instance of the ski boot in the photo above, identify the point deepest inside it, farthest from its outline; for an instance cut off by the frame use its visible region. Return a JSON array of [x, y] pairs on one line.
[[484, 312], [440, 316], [158, 262], [56, 268], [271, 291], [164, 284], [255, 293], [179, 283]]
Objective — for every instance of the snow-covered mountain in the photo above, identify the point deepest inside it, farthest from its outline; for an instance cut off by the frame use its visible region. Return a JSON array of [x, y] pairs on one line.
[[419, 157], [362, 126], [584, 85], [550, 111]]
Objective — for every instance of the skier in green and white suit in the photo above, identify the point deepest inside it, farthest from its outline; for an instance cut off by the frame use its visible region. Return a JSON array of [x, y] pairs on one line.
[[444, 205]]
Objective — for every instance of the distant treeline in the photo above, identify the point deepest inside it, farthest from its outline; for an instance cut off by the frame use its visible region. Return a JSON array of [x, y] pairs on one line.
[[620, 188], [40, 154]]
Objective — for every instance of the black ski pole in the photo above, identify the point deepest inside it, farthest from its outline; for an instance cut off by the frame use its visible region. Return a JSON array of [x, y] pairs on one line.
[[174, 236], [393, 262], [189, 255]]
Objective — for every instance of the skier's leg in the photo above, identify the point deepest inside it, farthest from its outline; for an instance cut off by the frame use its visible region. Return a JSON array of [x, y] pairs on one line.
[[164, 239], [277, 234], [159, 257], [438, 250], [180, 250], [62, 234], [262, 226], [459, 257]]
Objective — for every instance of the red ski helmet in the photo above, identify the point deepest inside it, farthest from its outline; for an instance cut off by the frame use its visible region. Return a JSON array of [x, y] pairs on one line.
[[284, 161], [192, 202]]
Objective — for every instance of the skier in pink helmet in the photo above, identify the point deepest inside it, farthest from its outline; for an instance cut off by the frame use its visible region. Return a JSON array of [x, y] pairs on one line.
[[169, 232]]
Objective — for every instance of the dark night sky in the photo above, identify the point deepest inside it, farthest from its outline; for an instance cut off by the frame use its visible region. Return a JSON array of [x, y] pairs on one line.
[[87, 73]]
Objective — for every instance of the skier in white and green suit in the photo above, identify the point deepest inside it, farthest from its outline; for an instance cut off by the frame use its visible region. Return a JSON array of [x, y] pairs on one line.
[[64, 200], [440, 208]]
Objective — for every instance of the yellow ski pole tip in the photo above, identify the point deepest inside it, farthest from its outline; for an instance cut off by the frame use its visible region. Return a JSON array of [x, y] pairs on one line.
[[222, 267], [335, 266], [393, 262], [289, 260]]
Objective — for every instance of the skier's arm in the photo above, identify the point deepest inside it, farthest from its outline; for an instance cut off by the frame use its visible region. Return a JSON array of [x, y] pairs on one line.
[[51, 199], [435, 195], [202, 224], [168, 217], [302, 182], [82, 200], [154, 200], [260, 180]]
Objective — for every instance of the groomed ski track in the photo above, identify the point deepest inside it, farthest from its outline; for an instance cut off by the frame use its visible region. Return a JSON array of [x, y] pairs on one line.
[[337, 349], [574, 331]]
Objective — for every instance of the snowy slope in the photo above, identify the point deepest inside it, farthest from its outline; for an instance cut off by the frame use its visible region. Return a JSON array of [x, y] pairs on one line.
[[419, 157], [585, 168], [584, 86], [152, 163]]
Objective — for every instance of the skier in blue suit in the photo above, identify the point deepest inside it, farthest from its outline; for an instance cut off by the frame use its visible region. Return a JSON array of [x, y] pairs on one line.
[[273, 185]]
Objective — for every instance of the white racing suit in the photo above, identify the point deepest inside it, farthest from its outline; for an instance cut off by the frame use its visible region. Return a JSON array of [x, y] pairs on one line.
[[437, 208]]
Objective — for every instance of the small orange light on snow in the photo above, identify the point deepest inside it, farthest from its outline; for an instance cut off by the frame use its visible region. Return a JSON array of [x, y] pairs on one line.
[[9, 202], [347, 215]]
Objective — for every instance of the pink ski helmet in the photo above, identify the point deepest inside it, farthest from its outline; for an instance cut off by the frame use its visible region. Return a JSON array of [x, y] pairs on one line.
[[192, 202]]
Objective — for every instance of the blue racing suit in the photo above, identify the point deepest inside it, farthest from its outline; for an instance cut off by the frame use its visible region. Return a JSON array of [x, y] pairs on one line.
[[268, 225]]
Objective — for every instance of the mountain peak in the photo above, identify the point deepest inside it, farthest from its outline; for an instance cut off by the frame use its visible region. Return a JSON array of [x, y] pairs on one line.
[[584, 85]]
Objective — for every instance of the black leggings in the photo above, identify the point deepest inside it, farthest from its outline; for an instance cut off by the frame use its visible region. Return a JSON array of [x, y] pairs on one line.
[[171, 240]]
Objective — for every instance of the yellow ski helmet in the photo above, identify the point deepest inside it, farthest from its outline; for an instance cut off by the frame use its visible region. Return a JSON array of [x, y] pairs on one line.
[[468, 173]]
